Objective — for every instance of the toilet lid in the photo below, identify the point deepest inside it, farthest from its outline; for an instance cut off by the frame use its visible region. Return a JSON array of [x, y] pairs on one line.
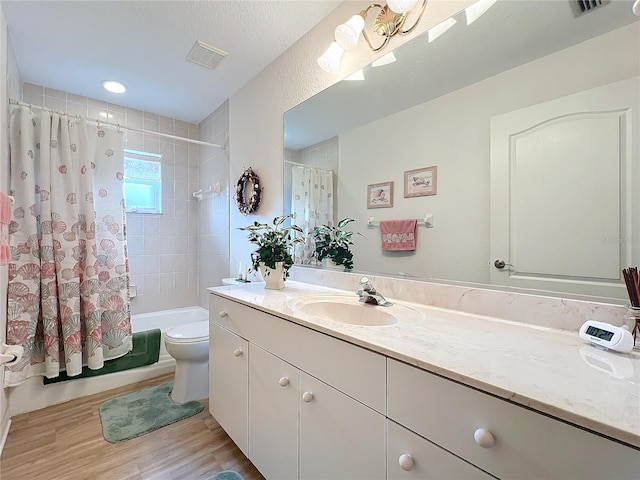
[[189, 332]]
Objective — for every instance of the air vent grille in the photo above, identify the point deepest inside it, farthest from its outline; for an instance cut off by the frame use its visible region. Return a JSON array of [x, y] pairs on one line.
[[586, 6], [205, 55]]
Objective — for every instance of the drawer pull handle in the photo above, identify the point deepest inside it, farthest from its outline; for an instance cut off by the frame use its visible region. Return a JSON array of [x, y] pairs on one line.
[[406, 462], [307, 397], [484, 438], [223, 314], [284, 381], [237, 352]]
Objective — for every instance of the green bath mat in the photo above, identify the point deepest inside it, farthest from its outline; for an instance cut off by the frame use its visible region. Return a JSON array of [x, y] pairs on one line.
[[144, 411], [226, 475], [146, 351]]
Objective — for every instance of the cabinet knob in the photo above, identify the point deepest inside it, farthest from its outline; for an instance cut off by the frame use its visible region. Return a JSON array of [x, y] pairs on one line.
[[223, 313], [406, 462], [307, 396], [284, 381], [237, 352], [484, 438]]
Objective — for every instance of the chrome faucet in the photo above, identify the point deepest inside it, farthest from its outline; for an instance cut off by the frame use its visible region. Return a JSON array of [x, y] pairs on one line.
[[368, 294]]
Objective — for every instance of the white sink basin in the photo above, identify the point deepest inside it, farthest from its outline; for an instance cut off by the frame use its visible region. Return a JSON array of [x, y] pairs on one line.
[[347, 309]]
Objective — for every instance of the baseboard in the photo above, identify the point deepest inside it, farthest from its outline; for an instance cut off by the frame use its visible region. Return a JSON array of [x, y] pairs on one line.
[[4, 434]]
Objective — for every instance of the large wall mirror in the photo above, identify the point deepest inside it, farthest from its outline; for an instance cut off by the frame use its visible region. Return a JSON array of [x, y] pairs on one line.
[[531, 116]]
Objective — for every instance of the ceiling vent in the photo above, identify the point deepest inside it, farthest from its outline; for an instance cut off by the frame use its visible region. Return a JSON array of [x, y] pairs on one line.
[[205, 55], [585, 6]]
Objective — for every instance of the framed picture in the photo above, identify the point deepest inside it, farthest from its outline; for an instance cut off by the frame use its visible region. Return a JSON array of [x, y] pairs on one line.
[[380, 195], [420, 182]]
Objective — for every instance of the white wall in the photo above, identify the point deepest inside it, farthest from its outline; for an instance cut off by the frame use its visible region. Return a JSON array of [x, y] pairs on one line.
[[162, 248], [256, 111], [453, 133], [213, 210]]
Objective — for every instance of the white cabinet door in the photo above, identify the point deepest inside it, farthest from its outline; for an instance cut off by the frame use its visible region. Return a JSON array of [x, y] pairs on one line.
[[228, 383], [411, 456], [340, 438], [562, 175], [273, 414]]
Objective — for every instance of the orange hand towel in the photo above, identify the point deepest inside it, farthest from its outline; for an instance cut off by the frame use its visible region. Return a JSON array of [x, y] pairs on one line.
[[398, 234]]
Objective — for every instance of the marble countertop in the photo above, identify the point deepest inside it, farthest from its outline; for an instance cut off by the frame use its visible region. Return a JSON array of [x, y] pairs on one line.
[[551, 371]]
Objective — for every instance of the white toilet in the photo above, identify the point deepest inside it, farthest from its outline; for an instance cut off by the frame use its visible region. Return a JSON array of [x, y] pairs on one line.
[[189, 345]]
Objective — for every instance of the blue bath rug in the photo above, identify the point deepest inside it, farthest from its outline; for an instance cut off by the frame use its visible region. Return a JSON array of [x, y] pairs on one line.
[[226, 475], [144, 411]]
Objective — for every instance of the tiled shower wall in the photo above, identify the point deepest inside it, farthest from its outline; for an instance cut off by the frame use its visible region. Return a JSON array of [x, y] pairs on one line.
[[213, 216], [163, 248]]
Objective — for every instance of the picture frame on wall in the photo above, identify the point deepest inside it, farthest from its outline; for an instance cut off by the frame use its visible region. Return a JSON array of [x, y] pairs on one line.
[[421, 182], [380, 195]]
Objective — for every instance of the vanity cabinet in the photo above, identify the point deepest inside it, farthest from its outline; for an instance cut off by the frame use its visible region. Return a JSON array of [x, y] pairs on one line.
[[303, 404], [410, 456], [306, 403], [340, 438], [228, 383], [504, 439], [273, 412]]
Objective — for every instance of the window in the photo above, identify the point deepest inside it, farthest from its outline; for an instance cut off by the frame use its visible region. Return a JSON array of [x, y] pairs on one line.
[[142, 182]]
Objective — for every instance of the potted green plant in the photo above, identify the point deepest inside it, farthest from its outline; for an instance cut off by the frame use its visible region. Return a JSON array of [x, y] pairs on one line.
[[334, 243], [273, 256]]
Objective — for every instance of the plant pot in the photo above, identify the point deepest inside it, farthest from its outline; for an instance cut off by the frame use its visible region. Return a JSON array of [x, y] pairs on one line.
[[330, 264], [273, 278]]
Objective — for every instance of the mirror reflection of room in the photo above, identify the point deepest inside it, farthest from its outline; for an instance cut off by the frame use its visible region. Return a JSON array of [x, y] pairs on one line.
[[431, 107]]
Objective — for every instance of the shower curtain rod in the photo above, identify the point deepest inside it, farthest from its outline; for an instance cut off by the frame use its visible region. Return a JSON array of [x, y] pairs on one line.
[[117, 125], [305, 165]]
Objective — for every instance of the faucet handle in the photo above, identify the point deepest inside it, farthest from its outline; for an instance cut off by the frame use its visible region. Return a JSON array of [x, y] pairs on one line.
[[366, 284]]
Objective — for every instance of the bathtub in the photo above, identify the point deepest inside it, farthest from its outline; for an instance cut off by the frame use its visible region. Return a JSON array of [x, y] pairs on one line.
[[166, 319], [33, 395]]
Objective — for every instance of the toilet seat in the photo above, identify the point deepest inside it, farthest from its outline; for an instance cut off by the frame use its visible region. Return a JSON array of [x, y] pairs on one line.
[[189, 333]]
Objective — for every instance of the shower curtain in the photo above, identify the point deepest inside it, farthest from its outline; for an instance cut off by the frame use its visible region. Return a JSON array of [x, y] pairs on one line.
[[68, 294], [311, 205]]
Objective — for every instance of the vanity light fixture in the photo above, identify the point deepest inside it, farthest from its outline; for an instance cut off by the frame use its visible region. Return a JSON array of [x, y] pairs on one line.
[[475, 11], [389, 22], [386, 59], [439, 29], [356, 76], [113, 86]]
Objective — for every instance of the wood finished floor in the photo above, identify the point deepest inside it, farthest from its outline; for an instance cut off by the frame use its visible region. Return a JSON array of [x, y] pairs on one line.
[[65, 442]]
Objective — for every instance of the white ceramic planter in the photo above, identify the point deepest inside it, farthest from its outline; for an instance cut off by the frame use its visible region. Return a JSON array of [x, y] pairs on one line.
[[331, 265], [273, 279]]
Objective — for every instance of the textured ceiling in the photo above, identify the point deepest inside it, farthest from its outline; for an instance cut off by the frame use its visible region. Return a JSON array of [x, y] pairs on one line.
[[73, 46]]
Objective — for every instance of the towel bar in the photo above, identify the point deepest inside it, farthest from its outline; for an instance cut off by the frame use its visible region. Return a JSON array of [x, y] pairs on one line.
[[427, 221]]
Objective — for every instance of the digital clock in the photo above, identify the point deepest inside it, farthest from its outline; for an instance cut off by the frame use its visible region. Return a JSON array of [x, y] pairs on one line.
[[607, 336]]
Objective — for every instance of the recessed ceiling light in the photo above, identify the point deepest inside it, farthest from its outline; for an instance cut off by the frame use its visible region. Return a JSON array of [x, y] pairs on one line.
[[113, 86]]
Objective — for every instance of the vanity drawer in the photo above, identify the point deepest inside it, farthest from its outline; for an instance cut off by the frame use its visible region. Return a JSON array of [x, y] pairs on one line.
[[410, 456], [526, 444], [355, 371]]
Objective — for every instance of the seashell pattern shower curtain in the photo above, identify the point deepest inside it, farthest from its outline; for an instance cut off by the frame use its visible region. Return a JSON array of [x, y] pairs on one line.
[[311, 205], [68, 294]]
